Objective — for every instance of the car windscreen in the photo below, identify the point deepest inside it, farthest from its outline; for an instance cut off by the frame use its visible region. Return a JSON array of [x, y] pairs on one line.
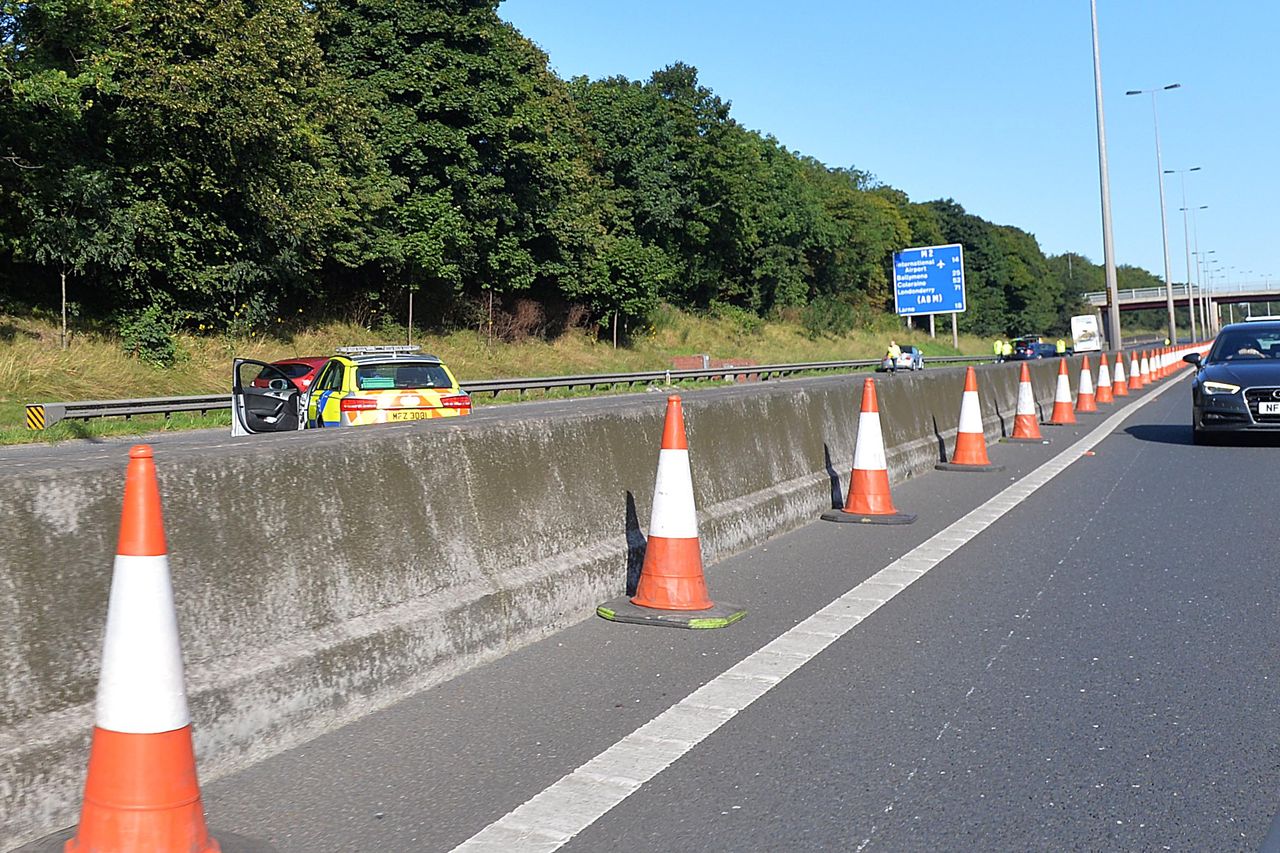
[[383, 377], [1247, 344]]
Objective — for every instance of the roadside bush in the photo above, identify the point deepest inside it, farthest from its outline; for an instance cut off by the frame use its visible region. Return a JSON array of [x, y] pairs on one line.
[[744, 321], [827, 316], [148, 335]]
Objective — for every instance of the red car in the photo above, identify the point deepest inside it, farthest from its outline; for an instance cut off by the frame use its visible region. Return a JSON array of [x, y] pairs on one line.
[[301, 371]]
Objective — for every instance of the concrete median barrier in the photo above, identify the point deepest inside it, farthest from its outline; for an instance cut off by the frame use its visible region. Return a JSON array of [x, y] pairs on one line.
[[320, 576]]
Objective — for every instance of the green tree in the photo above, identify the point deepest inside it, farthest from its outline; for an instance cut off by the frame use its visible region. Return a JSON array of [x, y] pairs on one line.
[[471, 130]]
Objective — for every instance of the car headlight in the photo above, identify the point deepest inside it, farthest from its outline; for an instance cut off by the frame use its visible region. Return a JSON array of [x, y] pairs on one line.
[[1219, 388]]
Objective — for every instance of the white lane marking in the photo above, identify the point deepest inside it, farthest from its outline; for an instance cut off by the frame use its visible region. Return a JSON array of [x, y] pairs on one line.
[[899, 793], [553, 817]]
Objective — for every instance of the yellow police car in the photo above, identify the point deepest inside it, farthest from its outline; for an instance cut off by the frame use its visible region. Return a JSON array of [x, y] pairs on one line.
[[358, 386]]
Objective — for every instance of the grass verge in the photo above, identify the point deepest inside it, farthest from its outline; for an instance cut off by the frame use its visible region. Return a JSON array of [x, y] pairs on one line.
[[34, 369]]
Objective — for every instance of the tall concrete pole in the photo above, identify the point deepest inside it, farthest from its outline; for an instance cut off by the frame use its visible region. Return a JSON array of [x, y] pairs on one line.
[[1164, 227], [1186, 240], [1108, 242], [1164, 222]]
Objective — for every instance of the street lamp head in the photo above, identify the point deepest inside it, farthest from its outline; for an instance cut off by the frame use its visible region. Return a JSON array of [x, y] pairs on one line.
[[1173, 86], [1194, 169], [1134, 92]]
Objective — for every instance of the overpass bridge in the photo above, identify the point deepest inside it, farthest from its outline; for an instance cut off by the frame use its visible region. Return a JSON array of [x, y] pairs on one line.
[[1135, 299]]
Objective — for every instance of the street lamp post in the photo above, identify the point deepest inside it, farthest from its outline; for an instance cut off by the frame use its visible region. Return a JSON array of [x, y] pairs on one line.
[[1206, 299], [1108, 243], [1164, 226], [1191, 301]]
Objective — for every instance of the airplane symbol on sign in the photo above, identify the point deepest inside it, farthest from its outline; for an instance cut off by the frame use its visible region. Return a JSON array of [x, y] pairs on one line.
[[941, 265]]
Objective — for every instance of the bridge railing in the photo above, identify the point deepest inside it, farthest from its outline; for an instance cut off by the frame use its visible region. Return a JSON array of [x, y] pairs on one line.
[[1146, 294]]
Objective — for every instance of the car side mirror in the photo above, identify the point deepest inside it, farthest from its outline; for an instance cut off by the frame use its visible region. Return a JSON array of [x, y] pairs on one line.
[[1192, 358]]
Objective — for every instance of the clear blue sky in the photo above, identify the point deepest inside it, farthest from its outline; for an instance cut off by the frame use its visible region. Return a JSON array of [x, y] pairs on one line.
[[990, 103]]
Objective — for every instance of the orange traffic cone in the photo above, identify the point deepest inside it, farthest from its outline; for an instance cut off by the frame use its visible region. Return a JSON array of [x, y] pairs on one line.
[[971, 445], [1135, 372], [672, 590], [1104, 394], [869, 501], [141, 792], [1086, 402], [1119, 385], [1062, 414], [1026, 427], [1145, 363]]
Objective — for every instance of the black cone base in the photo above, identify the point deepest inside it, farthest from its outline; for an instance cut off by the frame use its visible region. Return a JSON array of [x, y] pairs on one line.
[[977, 469], [843, 517], [717, 616]]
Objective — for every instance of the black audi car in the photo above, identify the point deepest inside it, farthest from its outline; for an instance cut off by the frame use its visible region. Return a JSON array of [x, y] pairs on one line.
[[1237, 385]]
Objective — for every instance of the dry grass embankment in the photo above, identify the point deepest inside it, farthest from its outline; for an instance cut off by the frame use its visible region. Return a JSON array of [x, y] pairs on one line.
[[34, 369]]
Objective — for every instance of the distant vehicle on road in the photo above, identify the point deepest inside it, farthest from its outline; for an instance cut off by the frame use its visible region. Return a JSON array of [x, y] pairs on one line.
[[1026, 349], [358, 386], [300, 371], [1237, 384], [1085, 336], [911, 358]]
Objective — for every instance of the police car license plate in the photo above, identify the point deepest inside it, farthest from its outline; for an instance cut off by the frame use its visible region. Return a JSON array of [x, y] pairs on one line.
[[1269, 408], [410, 416]]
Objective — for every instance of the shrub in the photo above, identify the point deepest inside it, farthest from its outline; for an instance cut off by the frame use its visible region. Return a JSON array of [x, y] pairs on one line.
[[744, 321], [148, 335], [828, 316]]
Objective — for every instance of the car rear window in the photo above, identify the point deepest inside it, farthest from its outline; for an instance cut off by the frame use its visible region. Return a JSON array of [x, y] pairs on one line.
[[293, 371], [383, 377]]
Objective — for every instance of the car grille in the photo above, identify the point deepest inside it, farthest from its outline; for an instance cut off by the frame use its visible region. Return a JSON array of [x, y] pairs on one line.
[[1252, 396]]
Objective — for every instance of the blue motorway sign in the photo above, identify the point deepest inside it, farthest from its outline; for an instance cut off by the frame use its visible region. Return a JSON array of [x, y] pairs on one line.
[[929, 280]]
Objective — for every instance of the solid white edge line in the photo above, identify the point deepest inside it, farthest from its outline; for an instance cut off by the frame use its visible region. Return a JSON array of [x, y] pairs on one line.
[[553, 817]]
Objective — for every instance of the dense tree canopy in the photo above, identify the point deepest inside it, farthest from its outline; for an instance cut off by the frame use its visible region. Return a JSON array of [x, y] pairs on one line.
[[216, 163]]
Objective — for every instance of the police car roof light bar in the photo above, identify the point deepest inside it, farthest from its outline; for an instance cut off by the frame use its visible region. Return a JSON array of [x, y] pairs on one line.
[[371, 350]]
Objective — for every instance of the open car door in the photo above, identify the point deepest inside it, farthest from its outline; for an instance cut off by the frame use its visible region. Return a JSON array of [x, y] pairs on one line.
[[263, 399]]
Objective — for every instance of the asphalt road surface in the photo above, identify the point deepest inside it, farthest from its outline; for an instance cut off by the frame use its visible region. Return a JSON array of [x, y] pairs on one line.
[[1090, 666]]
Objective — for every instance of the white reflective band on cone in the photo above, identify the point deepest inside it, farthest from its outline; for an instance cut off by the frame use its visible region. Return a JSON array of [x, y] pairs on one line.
[[1086, 382], [970, 413], [1026, 399], [1104, 375], [868, 453], [140, 689], [674, 515], [1063, 392]]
